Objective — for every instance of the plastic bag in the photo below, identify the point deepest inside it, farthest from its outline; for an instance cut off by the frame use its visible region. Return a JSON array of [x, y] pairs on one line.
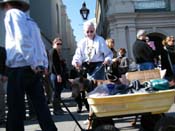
[[159, 84], [100, 90]]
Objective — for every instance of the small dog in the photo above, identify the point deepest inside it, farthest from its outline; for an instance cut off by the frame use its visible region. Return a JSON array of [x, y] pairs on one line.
[[80, 86]]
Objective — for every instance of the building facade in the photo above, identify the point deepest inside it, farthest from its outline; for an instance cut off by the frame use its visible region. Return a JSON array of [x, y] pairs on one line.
[[121, 19], [53, 21]]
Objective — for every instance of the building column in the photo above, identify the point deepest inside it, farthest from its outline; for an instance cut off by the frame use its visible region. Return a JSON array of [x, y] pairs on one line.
[[121, 42], [131, 39]]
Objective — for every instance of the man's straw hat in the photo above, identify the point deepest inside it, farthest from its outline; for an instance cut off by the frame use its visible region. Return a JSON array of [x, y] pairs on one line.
[[25, 3]]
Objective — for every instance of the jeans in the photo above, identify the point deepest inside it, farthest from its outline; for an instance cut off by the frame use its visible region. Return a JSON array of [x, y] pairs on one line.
[[146, 66], [57, 88], [20, 81], [2, 101]]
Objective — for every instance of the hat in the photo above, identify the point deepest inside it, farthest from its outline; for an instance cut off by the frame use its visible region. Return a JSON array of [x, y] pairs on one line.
[[25, 3], [140, 33]]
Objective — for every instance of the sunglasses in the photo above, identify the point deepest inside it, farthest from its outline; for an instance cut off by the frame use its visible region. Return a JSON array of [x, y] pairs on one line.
[[171, 40], [91, 31], [59, 43]]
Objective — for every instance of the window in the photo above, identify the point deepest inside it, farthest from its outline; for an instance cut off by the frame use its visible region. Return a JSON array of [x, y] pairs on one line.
[[150, 5]]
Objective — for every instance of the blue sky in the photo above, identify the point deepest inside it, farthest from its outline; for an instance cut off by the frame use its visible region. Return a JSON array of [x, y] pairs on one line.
[[73, 11]]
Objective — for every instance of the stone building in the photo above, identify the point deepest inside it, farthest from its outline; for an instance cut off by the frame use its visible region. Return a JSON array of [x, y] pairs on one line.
[[121, 19], [53, 21]]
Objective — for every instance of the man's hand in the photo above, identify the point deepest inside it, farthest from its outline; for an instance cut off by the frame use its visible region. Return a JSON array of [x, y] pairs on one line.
[[59, 79], [46, 72], [4, 78], [77, 66], [39, 69], [114, 60], [106, 62]]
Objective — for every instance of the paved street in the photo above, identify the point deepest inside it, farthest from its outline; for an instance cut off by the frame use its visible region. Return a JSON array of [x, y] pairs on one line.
[[66, 123]]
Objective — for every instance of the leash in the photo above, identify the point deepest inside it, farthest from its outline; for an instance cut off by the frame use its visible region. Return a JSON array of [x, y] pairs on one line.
[[90, 77]]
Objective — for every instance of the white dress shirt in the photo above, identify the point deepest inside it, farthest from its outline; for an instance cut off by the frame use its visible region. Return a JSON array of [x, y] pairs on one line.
[[23, 43], [95, 50]]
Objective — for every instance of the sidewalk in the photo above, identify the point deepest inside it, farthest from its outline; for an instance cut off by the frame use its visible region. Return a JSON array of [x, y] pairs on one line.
[[66, 123], [63, 122]]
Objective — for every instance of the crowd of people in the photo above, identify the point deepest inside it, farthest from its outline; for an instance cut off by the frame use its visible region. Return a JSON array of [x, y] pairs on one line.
[[30, 70]]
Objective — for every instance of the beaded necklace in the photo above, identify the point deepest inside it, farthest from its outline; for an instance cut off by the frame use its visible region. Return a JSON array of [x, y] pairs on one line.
[[90, 48]]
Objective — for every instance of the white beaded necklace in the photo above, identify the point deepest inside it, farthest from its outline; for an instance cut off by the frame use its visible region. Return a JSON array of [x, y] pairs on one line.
[[90, 48]]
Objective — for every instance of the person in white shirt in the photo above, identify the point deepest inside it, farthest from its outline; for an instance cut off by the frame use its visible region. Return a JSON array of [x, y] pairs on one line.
[[26, 59], [93, 52]]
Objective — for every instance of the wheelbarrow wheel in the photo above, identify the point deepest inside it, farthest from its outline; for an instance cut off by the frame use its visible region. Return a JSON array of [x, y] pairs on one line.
[[166, 123], [106, 128], [101, 121], [148, 121]]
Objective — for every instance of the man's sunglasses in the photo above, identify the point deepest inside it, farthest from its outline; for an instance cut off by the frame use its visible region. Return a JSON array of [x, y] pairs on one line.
[[91, 31]]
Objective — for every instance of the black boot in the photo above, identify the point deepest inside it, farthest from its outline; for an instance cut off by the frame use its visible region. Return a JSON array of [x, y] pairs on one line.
[[57, 110]]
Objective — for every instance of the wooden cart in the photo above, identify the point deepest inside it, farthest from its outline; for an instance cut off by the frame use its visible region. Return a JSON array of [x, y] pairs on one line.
[[157, 102], [152, 102]]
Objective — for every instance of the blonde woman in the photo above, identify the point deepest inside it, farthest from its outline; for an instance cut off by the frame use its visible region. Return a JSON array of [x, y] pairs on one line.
[[111, 45], [167, 56], [112, 68]]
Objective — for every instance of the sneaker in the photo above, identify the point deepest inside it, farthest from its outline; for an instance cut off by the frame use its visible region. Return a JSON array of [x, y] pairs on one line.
[[133, 123], [86, 122]]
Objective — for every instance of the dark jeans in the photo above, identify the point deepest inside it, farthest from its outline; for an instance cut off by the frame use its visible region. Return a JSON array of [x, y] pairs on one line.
[[20, 81], [95, 71], [48, 88], [2, 101], [57, 88], [146, 66]]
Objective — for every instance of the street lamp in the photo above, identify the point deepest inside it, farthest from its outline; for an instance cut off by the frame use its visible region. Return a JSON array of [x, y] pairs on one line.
[[84, 11]]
